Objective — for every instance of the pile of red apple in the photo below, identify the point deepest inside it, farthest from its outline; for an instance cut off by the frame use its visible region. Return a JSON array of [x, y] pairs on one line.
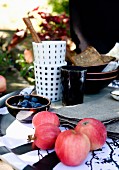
[[3, 84], [73, 145]]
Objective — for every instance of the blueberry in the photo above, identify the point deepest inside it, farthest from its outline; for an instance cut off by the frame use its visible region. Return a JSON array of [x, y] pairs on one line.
[[28, 104], [34, 99], [38, 105], [24, 103], [25, 100], [32, 104], [26, 97]]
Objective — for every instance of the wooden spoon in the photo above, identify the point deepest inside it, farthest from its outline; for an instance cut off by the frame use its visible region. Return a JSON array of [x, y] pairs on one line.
[[32, 30]]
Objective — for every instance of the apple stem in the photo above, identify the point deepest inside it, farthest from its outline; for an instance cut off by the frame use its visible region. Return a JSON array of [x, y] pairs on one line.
[[30, 138]]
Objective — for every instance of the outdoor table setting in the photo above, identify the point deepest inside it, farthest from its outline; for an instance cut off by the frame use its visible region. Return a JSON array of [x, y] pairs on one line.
[[73, 92], [17, 151]]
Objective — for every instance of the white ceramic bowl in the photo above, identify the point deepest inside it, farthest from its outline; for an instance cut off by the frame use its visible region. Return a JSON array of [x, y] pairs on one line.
[[115, 94]]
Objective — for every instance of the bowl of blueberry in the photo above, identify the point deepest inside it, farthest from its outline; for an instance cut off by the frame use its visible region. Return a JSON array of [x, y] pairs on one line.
[[24, 107]]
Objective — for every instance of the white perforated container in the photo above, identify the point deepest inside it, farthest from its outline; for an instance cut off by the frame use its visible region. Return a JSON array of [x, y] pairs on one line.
[[49, 52], [48, 81]]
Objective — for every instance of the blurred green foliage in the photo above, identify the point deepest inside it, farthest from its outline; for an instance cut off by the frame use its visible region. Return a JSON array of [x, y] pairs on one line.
[[5, 57], [60, 6], [24, 67]]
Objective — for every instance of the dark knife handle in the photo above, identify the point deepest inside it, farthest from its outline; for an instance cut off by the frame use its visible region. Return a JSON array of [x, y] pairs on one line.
[[3, 98]]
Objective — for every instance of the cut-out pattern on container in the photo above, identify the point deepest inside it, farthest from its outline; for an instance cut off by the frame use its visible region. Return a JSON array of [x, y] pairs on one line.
[[48, 81], [49, 57], [49, 52]]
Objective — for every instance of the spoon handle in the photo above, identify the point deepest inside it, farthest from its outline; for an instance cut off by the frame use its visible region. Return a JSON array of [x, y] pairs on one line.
[[32, 30]]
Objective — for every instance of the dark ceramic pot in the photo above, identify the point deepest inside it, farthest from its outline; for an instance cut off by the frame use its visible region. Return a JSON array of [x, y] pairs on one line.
[[102, 75], [96, 85]]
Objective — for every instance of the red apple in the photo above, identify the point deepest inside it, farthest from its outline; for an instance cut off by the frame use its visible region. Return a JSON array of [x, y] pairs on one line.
[[95, 130], [71, 147], [45, 136], [45, 117], [3, 84]]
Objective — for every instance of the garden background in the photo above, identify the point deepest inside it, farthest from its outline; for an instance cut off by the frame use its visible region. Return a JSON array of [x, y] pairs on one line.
[[50, 19]]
